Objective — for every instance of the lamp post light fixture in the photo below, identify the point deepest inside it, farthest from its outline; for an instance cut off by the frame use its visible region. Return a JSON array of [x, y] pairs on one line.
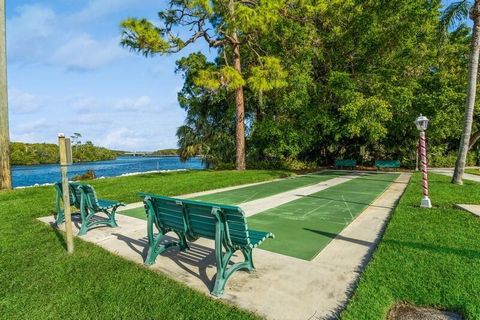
[[422, 124]]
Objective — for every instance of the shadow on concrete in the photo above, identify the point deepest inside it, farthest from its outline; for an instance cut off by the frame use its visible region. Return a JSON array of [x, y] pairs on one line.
[[340, 237], [195, 260]]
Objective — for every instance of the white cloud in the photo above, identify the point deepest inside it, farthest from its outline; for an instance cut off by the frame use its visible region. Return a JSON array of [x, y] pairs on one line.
[[123, 139], [137, 104], [96, 9], [23, 103], [32, 127], [82, 52], [37, 34], [90, 119], [28, 32]]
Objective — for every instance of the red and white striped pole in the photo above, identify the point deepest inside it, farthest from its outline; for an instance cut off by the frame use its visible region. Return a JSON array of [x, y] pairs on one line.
[[422, 123]]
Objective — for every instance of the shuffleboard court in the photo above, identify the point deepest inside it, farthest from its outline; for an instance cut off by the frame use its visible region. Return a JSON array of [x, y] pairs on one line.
[[246, 194], [250, 193], [305, 226]]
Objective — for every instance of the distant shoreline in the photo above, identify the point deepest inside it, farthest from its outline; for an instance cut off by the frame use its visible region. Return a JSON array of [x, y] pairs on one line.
[[101, 178], [93, 161]]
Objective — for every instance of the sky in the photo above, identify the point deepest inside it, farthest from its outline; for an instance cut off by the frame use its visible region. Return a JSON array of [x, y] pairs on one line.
[[67, 73]]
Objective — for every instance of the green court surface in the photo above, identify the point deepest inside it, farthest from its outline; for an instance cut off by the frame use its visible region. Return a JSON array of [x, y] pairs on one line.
[[246, 194], [305, 226]]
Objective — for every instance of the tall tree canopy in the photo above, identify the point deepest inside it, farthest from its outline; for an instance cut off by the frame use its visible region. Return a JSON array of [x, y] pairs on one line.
[[317, 79], [224, 25]]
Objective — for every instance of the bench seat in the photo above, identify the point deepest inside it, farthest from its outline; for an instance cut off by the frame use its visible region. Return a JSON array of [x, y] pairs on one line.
[[190, 220], [257, 237], [107, 204]]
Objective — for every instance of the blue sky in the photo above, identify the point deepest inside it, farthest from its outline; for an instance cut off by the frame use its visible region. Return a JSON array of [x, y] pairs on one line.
[[67, 73]]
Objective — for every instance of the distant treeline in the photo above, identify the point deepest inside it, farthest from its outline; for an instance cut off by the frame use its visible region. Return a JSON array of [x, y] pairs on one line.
[[166, 152], [44, 153]]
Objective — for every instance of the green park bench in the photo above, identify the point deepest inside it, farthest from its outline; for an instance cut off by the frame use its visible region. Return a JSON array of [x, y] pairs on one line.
[[75, 197], [83, 196], [384, 164], [345, 163], [191, 220]]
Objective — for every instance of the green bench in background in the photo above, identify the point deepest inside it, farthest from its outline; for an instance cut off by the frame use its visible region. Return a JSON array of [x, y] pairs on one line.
[[83, 197], [383, 164], [75, 197], [191, 220], [346, 163]]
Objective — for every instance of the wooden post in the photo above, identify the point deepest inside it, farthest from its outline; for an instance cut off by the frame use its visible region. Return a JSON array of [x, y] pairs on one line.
[[5, 171], [64, 162]]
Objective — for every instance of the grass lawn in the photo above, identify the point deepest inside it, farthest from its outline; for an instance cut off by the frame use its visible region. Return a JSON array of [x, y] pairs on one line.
[[428, 257], [473, 171], [38, 280]]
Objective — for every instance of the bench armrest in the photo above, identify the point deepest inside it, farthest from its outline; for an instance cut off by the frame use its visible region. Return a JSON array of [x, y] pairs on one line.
[[221, 226]]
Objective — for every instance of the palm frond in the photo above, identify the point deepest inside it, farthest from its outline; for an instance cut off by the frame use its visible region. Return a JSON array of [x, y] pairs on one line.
[[454, 14]]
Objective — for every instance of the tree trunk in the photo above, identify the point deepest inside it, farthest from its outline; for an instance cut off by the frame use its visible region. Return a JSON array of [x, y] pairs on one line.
[[5, 173], [240, 109], [469, 107], [239, 99]]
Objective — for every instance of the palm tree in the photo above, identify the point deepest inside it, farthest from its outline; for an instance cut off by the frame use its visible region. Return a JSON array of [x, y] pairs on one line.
[[453, 14], [5, 173]]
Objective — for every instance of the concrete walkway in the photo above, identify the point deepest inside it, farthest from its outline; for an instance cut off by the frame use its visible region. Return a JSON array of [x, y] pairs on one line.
[[472, 208], [283, 287], [449, 172]]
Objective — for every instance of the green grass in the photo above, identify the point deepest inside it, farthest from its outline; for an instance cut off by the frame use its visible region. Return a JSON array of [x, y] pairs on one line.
[[473, 171], [305, 226], [428, 257], [38, 280]]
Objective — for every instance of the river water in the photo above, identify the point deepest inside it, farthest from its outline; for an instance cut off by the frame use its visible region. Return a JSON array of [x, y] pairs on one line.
[[49, 173]]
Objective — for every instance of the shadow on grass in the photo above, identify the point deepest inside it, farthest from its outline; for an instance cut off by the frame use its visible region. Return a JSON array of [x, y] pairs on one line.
[[435, 248], [340, 237], [59, 235]]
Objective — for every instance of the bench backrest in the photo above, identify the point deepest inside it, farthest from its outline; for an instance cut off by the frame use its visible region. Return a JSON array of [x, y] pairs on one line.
[[168, 214], [202, 220], [75, 194], [346, 163], [387, 163], [198, 218], [90, 196]]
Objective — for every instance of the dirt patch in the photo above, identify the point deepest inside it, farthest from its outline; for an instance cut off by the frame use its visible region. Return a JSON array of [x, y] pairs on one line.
[[409, 312]]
